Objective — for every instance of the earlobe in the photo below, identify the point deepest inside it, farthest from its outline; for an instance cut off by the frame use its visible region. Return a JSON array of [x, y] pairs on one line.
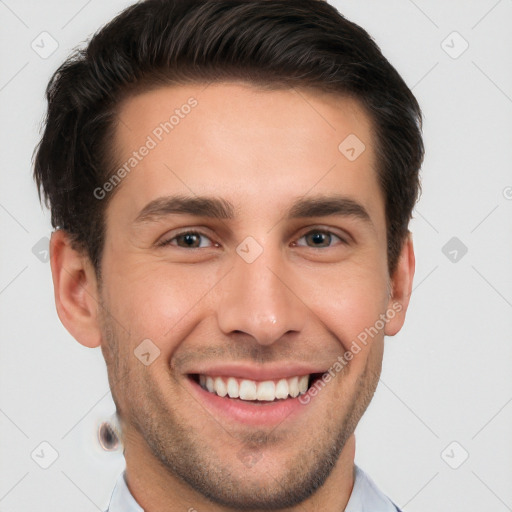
[[401, 288], [75, 290]]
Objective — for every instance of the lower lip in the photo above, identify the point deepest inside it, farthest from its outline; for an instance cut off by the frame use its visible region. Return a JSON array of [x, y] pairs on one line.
[[250, 413]]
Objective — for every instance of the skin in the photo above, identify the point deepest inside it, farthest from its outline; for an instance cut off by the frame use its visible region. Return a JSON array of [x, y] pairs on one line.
[[260, 150]]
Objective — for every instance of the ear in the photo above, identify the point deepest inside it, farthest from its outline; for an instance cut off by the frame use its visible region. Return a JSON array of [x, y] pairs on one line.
[[401, 288], [76, 291]]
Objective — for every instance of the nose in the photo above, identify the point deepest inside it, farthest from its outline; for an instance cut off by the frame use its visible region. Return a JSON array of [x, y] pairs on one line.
[[259, 299]]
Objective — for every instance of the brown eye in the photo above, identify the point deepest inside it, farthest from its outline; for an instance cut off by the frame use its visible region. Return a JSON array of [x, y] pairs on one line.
[[319, 239], [189, 240]]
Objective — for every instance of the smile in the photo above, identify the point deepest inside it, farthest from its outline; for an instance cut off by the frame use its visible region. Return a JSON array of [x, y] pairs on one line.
[[255, 396], [245, 389]]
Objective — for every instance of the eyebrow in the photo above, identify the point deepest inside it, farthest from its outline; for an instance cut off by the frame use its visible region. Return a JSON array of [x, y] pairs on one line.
[[200, 206], [322, 206], [217, 208]]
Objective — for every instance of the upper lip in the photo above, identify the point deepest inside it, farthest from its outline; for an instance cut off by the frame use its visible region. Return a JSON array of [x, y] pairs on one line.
[[282, 370]]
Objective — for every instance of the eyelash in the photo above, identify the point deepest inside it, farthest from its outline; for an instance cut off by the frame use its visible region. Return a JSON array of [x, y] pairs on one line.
[[200, 234], [188, 232]]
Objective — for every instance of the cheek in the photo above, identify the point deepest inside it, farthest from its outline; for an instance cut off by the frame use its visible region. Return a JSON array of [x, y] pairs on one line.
[[156, 301], [350, 304]]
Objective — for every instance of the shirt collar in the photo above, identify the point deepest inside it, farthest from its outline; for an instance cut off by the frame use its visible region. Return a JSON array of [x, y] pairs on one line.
[[122, 499], [365, 496]]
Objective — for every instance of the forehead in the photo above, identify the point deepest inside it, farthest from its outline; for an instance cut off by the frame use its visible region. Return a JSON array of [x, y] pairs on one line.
[[244, 143]]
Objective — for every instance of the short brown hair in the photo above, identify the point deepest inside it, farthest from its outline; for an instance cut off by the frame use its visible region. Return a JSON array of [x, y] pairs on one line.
[[276, 43]]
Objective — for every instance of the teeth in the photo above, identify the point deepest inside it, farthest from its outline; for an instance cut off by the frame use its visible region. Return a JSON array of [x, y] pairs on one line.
[[303, 384], [233, 390], [266, 390], [293, 386], [282, 389], [246, 389], [220, 387]]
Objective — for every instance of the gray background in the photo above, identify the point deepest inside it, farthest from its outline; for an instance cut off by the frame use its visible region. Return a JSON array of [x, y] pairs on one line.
[[445, 392]]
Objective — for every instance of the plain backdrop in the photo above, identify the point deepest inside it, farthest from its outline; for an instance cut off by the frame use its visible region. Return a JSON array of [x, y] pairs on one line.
[[437, 435]]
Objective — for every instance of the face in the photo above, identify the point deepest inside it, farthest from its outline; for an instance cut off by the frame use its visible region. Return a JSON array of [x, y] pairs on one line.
[[249, 253]]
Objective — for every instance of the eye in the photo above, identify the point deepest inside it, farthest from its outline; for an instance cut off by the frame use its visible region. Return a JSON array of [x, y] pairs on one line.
[[319, 238], [189, 240]]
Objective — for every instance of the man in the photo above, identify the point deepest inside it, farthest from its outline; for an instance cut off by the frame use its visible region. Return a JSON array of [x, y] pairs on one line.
[[231, 184]]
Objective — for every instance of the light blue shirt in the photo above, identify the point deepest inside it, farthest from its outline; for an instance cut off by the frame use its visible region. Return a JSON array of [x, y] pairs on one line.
[[365, 497]]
